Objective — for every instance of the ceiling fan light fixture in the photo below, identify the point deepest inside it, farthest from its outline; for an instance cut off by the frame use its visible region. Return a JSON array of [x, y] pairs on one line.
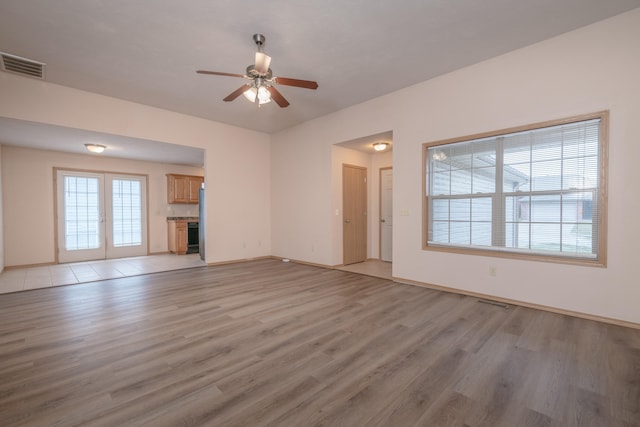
[[380, 146], [264, 96], [262, 88], [95, 148]]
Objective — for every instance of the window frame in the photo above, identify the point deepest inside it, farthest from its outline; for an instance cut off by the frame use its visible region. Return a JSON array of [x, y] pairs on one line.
[[603, 161]]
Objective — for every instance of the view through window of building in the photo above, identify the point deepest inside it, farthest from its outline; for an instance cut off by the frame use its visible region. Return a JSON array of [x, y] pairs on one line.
[[531, 191]]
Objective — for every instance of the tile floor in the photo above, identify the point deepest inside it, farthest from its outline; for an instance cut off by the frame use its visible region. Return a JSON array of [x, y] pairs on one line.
[[22, 279], [371, 267]]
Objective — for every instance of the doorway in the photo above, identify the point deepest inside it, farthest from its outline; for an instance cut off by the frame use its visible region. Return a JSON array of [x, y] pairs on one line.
[[386, 214], [100, 215], [354, 209]]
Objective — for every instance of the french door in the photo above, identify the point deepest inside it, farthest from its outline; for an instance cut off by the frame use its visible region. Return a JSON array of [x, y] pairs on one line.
[[100, 215]]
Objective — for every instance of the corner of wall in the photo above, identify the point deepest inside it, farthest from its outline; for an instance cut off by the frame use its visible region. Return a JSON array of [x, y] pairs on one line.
[[1, 219]]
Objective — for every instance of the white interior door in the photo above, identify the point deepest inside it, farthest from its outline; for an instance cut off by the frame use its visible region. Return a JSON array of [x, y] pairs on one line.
[[386, 214], [100, 216]]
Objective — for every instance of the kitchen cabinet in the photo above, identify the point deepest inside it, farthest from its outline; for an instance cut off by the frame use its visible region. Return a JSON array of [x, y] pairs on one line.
[[183, 188], [178, 237]]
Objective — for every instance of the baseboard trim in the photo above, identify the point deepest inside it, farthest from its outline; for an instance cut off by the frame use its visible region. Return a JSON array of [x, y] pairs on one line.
[[312, 264], [572, 313], [236, 261], [577, 314], [41, 264]]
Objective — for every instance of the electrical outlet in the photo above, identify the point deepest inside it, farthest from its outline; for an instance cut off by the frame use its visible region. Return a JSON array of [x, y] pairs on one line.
[[492, 271]]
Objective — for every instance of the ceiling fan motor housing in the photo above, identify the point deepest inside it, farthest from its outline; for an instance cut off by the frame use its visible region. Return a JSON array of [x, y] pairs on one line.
[[253, 73]]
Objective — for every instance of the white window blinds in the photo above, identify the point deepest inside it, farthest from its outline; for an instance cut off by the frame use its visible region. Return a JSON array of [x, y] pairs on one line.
[[534, 191]]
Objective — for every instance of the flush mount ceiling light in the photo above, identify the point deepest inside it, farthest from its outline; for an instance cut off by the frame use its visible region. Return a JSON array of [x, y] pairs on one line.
[[95, 148], [380, 146]]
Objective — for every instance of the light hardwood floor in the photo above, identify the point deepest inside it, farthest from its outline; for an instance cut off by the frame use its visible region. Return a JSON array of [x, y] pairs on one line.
[[284, 344]]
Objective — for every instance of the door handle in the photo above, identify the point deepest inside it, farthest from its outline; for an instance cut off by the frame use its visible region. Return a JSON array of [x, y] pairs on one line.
[[382, 220], [347, 221]]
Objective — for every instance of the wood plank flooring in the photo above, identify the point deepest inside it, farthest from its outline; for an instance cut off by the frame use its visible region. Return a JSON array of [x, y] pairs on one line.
[[283, 344]]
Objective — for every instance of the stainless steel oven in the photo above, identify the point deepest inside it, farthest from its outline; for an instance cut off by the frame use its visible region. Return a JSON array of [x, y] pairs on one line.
[[193, 238]]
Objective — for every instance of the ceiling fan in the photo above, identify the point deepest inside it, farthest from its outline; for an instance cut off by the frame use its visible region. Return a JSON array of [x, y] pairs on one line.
[[260, 89]]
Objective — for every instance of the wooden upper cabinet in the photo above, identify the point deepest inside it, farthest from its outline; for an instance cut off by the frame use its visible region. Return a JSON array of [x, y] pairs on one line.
[[183, 188], [195, 182]]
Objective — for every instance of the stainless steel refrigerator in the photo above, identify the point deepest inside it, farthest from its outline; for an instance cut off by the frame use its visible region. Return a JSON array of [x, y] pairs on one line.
[[202, 222]]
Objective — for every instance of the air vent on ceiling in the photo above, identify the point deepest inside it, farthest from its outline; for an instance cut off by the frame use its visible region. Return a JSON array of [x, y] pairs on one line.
[[22, 66]]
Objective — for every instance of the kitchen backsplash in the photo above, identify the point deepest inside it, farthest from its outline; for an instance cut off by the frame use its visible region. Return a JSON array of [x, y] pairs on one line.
[[182, 210]]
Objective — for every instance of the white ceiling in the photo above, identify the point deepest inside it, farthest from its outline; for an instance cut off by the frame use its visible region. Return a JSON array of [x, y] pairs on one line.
[[49, 137], [365, 143], [147, 51]]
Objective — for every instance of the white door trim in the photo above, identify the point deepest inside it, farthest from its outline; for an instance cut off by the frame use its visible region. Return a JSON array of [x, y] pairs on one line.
[[95, 223], [386, 214], [106, 248]]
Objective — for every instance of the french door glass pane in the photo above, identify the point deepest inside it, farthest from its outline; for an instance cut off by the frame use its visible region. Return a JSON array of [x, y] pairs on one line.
[[82, 213], [127, 212]]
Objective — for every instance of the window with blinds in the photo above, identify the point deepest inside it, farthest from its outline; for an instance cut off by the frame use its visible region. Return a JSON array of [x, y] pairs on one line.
[[534, 191]]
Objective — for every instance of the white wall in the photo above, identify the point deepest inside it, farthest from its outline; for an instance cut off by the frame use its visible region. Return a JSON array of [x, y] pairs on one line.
[[237, 165], [2, 263], [591, 69], [302, 208], [29, 195]]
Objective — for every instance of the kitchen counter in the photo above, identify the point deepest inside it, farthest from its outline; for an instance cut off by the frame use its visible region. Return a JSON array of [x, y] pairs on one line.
[[183, 218]]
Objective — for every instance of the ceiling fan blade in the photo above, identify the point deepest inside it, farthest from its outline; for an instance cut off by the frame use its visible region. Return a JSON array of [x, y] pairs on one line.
[[277, 96], [218, 73], [307, 84], [262, 62], [236, 93]]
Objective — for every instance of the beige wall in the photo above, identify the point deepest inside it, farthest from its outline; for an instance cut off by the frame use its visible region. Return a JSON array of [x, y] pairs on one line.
[[29, 195], [591, 69], [237, 162]]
